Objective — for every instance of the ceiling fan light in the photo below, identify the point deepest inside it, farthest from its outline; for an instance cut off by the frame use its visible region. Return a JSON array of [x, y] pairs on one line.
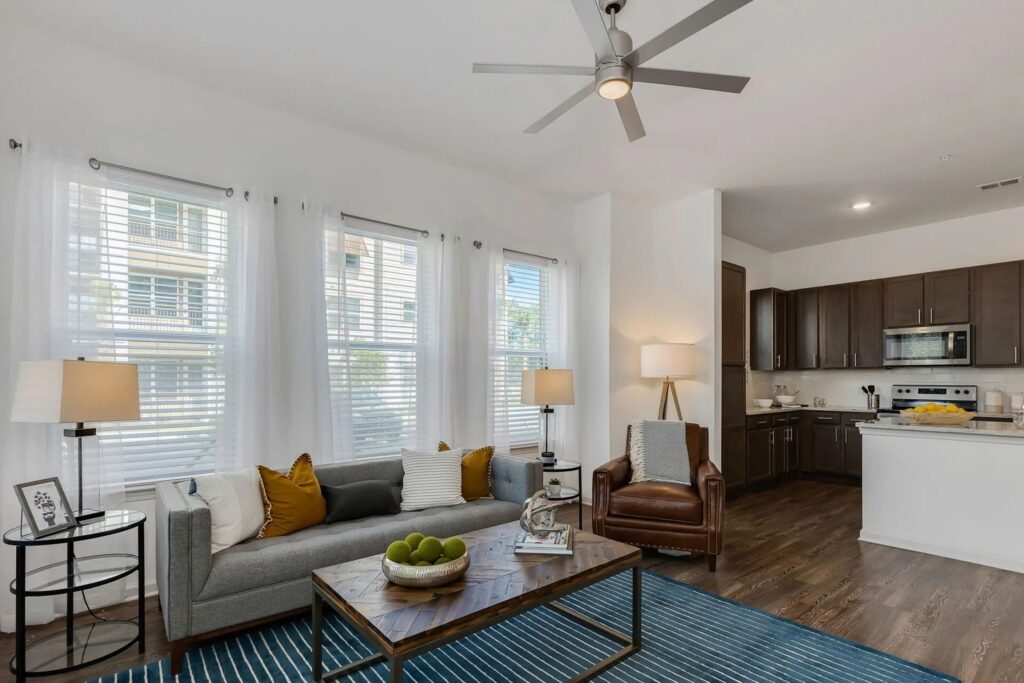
[[614, 81]]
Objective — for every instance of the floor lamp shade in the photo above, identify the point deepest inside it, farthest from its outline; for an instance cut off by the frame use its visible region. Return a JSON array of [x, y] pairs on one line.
[[59, 391], [666, 360]]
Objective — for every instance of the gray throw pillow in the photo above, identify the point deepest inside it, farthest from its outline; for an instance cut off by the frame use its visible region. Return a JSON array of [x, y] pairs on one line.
[[361, 499], [658, 452]]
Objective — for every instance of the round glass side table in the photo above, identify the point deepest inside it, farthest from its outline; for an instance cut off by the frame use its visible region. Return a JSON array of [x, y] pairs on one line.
[[79, 645], [568, 492]]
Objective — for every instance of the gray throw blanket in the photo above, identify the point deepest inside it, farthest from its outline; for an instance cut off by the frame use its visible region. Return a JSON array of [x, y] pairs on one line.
[[658, 452]]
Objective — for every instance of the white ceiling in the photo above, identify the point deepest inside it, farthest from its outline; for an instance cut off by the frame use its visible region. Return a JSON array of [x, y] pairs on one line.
[[848, 98]]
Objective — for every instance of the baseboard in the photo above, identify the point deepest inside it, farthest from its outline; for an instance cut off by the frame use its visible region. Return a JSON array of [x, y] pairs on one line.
[[1012, 564]]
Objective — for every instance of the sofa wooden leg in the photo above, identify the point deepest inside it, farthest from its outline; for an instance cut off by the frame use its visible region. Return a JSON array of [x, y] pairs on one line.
[[178, 648], [711, 562]]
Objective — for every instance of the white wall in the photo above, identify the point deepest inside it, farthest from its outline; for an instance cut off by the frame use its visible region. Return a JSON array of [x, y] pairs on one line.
[[95, 105]]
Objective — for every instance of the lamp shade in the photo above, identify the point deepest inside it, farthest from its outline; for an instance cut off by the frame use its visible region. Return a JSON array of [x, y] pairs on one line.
[[547, 388], [57, 391], [666, 360]]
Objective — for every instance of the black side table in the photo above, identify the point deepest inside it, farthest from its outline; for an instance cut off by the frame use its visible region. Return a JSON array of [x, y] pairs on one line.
[[568, 492], [85, 644]]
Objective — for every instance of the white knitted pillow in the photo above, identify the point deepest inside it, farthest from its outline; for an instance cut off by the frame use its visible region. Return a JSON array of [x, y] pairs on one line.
[[432, 479], [236, 506]]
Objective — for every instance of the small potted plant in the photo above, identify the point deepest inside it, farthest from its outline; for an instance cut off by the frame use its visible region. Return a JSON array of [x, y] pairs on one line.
[[554, 486]]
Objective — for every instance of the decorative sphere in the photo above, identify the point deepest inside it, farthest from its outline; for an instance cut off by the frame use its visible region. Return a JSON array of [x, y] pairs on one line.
[[423, 563], [442, 560], [430, 548], [414, 539], [415, 556], [399, 551], [454, 547]]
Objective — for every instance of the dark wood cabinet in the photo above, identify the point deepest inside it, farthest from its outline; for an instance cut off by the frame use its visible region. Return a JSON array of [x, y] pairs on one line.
[[834, 326], [806, 334], [996, 307], [827, 448], [853, 443], [734, 304], [768, 339], [734, 457], [759, 455], [904, 301], [866, 325], [947, 297]]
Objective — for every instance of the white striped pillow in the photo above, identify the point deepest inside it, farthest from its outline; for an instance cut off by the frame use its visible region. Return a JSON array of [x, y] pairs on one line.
[[432, 479]]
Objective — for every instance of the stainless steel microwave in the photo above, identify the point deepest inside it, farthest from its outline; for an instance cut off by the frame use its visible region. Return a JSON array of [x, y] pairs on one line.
[[931, 345]]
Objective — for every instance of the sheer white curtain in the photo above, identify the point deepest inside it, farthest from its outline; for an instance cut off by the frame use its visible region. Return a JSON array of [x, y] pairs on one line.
[[452, 320], [252, 431], [56, 311], [563, 281], [497, 401]]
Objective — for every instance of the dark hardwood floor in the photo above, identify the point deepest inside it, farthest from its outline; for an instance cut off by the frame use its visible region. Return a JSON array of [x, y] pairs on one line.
[[792, 550]]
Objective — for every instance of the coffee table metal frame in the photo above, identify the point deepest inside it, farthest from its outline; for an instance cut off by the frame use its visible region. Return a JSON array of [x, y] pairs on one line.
[[397, 657]]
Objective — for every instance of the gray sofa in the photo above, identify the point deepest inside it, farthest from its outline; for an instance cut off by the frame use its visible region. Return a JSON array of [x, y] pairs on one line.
[[204, 595]]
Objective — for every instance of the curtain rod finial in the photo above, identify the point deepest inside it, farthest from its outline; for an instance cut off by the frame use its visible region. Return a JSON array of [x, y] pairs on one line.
[[94, 164], [13, 144]]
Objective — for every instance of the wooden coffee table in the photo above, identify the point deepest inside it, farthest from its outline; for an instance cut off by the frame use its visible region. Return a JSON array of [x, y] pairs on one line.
[[406, 622]]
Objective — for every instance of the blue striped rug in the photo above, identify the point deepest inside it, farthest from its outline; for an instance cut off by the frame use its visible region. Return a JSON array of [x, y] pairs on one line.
[[689, 635]]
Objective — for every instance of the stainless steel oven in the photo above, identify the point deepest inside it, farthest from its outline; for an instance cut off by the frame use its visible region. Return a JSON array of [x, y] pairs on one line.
[[931, 345]]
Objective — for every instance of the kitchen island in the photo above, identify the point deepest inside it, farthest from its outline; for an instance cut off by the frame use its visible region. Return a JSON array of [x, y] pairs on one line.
[[949, 491]]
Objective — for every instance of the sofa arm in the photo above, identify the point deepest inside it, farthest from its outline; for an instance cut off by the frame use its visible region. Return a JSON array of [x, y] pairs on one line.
[[515, 479], [183, 553], [711, 486], [608, 477]]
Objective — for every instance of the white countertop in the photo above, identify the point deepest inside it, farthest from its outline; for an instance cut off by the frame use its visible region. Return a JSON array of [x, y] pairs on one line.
[[972, 428], [754, 410]]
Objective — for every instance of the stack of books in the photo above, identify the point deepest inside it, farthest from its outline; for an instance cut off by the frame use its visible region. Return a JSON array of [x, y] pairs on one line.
[[555, 543]]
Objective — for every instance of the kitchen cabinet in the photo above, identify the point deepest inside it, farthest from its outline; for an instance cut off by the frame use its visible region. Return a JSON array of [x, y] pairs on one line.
[[834, 326], [734, 304], [734, 457], [947, 297], [768, 338], [996, 308], [852, 445], [806, 334], [866, 325], [827, 449], [786, 458], [759, 455], [904, 301]]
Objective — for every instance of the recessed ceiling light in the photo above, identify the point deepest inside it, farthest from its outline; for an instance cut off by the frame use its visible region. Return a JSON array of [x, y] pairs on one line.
[[860, 206]]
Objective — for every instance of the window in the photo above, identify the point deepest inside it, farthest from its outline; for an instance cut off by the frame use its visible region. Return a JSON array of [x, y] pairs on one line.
[[148, 287], [409, 311], [373, 348], [522, 342]]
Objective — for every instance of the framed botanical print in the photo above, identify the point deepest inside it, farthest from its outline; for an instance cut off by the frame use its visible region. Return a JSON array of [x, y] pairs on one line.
[[46, 507]]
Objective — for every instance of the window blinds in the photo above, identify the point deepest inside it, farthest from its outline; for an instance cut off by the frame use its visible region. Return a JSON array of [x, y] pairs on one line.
[[147, 286], [524, 327], [374, 307]]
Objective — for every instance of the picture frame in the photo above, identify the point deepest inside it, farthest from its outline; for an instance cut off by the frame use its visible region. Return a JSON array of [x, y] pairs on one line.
[[45, 506]]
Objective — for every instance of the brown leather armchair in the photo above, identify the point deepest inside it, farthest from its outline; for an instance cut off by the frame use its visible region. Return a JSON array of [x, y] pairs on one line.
[[661, 514]]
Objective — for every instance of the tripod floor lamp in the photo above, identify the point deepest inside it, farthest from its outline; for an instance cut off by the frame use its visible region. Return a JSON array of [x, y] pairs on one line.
[[76, 392], [667, 362]]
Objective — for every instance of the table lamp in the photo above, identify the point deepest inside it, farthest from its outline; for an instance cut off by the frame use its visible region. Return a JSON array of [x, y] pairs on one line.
[[547, 388], [76, 391], [667, 362]]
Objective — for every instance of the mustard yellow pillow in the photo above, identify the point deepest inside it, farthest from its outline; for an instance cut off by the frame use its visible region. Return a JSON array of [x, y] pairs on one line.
[[293, 501], [476, 472]]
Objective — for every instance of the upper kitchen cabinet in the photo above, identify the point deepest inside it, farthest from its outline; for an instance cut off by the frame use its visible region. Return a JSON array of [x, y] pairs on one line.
[[947, 297], [734, 304], [866, 343], [904, 301], [769, 347], [834, 326], [806, 332], [996, 303]]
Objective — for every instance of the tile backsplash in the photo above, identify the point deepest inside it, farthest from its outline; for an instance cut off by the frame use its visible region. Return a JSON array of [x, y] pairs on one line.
[[842, 387]]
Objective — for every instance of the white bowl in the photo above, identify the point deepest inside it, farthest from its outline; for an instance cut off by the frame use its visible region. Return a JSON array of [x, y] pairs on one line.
[[786, 400], [763, 402]]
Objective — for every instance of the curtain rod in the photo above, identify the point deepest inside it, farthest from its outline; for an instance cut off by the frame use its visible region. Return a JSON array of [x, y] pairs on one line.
[[424, 233], [526, 253], [96, 164]]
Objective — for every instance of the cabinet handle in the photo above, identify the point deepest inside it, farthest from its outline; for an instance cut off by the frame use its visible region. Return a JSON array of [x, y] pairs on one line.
[[823, 417], [931, 315], [778, 360], [844, 360], [815, 360], [1016, 355], [919, 316], [854, 359], [837, 434], [846, 436], [771, 438]]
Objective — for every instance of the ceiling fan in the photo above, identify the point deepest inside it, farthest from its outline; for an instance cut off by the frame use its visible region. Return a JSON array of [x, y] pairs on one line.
[[618, 65]]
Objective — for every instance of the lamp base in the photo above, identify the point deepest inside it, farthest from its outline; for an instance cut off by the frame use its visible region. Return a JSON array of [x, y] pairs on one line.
[[87, 514], [547, 458]]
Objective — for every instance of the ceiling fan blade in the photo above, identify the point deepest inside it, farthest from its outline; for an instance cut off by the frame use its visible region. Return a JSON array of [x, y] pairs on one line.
[[593, 23], [691, 79], [630, 117], [701, 19], [575, 99], [545, 69]]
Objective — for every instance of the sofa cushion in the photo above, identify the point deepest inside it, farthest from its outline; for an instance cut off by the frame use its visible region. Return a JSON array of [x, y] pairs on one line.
[[266, 561], [291, 501], [658, 500], [476, 471]]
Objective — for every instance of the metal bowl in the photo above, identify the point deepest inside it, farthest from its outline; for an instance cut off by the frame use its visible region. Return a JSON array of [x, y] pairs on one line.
[[424, 577]]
